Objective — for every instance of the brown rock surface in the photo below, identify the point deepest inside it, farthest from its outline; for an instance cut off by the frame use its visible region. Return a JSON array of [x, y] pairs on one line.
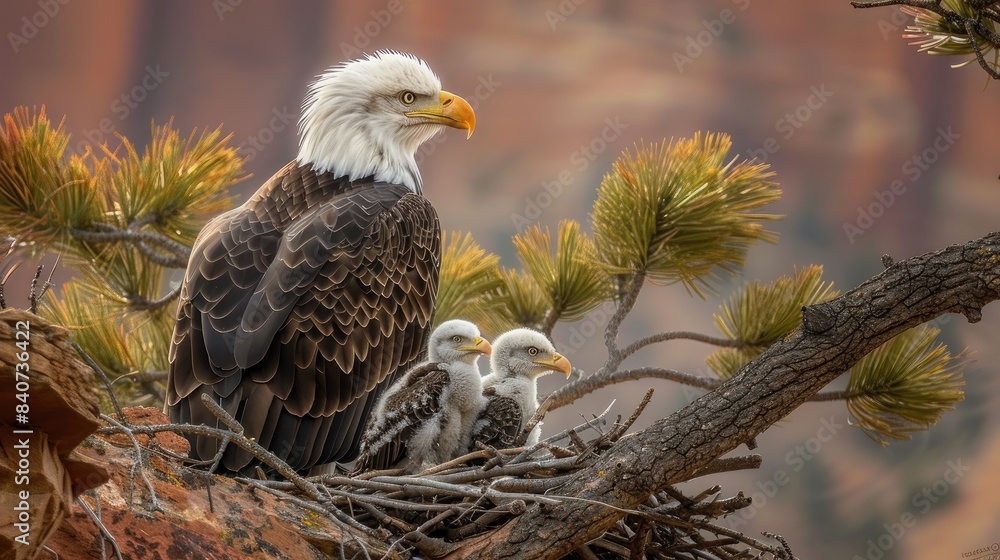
[[200, 516], [48, 406]]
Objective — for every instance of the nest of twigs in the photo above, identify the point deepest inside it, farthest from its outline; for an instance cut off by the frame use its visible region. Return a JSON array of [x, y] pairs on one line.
[[438, 511]]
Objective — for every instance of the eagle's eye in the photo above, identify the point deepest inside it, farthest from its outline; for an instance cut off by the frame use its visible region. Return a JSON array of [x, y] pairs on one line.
[[407, 97], [456, 339], [532, 351]]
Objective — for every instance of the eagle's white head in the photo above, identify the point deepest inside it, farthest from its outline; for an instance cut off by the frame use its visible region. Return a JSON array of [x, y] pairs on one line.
[[369, 116], [457, 341], [525, 353]]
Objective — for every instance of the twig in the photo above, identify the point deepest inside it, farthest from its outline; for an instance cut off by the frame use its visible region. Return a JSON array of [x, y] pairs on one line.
[[330, 512], [467, 491], [784, 544], [180, 253], [387, 502], [34, 299], [618, 429], [625, 304], [540, 414], [139, 463], [139, 303], [549, 322], [746, 539], [509, 469], [431, 547], [973, 25], [6, 275], [384, 518], [586, 554], [105, 534], [255, 449], [495, 515], [621, 551], [453, 463], [679, 335], [716, 508], [568, 394], [104, 377], [534, 485]]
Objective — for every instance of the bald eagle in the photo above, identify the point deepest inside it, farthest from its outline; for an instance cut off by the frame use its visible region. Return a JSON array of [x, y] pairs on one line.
[[519, 358], [426, 417], [300, 306]]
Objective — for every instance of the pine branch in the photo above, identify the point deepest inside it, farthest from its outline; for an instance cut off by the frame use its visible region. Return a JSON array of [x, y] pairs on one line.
[[145, 304], [177, 256], [625, 303], [571, 392], [834, 336], [679, 213], [470, 278], [951, 28], [569, 277], [905, 385], [679, 335], [759, 315]]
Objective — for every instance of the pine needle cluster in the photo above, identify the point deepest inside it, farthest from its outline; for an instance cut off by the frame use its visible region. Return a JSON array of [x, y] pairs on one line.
[[678, 211], [905, 385], [951, 28], [936, 33], [124, 220], [469, 279], [759, 315]]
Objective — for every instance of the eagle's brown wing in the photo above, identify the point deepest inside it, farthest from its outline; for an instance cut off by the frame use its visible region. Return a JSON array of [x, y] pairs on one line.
[[394, 421], [298, 308], [499, 424]]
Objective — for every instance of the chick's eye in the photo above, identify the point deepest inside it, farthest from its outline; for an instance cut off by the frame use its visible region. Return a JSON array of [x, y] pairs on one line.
[[532, 351], [456, 339], [407, 97]]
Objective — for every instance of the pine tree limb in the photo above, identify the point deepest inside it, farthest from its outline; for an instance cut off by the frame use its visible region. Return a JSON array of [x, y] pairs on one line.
[[834, 336]]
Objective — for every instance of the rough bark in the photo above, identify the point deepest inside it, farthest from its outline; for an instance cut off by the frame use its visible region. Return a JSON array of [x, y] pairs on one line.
[[834, 335]]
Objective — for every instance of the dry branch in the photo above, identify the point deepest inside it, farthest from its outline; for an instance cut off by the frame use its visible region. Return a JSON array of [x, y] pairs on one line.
[[834, 336]]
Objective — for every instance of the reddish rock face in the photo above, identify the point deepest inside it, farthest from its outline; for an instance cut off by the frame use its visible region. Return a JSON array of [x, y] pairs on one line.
[[199, 515], [53, 406]]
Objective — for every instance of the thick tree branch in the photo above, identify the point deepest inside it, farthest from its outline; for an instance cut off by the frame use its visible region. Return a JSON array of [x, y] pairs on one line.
[[834, 336]]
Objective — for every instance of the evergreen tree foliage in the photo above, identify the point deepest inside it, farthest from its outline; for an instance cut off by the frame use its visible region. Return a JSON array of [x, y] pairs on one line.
[[679, 211]]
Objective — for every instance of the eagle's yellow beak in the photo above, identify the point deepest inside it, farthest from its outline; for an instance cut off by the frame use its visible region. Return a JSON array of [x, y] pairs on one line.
[[558, 363], [480, 345], [451, 110]]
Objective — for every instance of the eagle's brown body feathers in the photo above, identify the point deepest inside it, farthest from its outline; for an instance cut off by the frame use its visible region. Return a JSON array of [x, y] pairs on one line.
[[298, 307]]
